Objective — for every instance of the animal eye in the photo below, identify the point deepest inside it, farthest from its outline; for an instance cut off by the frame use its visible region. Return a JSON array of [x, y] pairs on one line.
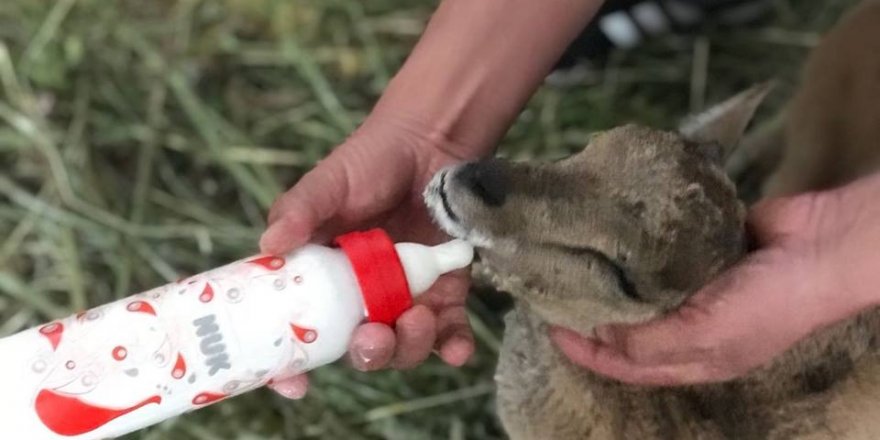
[[620, 274]]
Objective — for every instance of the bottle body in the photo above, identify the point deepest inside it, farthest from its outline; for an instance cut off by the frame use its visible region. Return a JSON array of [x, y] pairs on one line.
[[132, 363]]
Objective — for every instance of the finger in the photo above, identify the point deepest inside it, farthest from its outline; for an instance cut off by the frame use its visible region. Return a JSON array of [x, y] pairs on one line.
[[679, 337], [450, 290], [455, 340], [302, 209], [771, 220], [416, 332], [607, 361], [292, 387], [372, 347]]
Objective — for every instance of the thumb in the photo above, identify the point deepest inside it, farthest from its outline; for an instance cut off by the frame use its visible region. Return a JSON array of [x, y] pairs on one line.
[[295, 215], [775, 219]]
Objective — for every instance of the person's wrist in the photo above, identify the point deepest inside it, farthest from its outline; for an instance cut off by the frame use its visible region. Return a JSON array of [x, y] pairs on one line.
[[399, 128]]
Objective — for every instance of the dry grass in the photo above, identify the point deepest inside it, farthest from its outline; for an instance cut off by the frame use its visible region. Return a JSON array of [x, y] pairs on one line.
[[143, 140]]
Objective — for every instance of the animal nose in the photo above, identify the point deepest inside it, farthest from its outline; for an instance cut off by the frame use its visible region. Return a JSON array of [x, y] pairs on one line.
[[486, 179]]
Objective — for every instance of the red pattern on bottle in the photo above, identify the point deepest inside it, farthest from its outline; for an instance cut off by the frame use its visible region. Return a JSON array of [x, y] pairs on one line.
[[206, 398], [119, 353], [306, 335], [141, 307], [53, 332], [179, 367], [269, 262], [207, 293], [69, 416]]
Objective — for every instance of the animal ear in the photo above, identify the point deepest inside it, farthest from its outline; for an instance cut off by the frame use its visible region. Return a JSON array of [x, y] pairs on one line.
[[721, 127]]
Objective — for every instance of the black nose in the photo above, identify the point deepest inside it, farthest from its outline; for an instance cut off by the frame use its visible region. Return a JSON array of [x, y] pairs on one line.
[[487, 179]]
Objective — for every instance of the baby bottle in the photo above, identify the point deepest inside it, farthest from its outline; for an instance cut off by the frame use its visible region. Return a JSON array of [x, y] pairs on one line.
[[132, 363]]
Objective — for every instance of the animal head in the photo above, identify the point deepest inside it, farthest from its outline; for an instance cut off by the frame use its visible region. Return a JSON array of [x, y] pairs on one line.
[[619, 232]]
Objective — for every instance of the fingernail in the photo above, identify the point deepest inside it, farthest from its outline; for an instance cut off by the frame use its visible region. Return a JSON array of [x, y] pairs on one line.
[[289, 390], [364, 358], [268, 237]]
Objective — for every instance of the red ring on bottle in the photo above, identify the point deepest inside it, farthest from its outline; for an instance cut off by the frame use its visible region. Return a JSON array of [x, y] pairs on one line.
[[379, 273]]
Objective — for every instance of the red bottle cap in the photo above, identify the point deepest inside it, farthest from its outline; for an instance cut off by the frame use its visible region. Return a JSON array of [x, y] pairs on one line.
[[379, 273]]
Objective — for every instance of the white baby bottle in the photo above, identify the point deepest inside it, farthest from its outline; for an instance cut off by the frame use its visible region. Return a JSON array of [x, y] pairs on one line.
[[132, 363]]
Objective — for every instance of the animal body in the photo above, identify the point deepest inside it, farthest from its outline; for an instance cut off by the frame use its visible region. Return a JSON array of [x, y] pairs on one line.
[[630, 227]]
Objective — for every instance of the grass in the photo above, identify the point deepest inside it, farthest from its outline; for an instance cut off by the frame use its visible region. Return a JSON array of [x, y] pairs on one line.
[[144, 140]]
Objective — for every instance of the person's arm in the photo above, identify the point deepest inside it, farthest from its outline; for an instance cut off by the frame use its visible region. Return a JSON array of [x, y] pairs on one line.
[[472, 71], [470, 74], [476, 65]]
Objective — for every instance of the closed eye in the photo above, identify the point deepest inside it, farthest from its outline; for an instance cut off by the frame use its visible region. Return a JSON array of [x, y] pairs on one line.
[[623, 280]]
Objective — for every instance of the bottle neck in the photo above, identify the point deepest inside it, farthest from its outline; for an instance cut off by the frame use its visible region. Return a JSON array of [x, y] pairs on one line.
[[379, 273]]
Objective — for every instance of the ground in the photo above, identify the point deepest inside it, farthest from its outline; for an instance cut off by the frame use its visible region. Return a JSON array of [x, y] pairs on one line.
[[140, 141]]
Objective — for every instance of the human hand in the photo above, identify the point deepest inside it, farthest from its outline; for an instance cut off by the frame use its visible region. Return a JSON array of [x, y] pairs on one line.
[[812, 268], [470, 76], [376, 178]]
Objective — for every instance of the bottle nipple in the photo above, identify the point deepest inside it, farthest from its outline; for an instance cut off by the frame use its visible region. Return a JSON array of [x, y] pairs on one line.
[[422, 265]]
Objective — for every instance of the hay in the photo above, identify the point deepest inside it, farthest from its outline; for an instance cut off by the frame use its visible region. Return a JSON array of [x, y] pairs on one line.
[[145, 140]]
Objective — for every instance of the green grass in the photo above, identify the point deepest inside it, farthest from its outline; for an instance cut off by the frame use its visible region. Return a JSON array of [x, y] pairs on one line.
[[144, 140]]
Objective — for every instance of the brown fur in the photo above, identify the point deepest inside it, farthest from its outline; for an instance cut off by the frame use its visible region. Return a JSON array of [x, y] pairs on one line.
[[834, 123], [630, 227]]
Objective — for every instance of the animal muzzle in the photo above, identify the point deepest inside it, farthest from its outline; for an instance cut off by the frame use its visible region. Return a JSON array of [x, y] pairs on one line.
[[456, 192], [487, 180]]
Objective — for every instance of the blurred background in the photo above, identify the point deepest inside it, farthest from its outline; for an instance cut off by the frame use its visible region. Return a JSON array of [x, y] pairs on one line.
[[145, 140]]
